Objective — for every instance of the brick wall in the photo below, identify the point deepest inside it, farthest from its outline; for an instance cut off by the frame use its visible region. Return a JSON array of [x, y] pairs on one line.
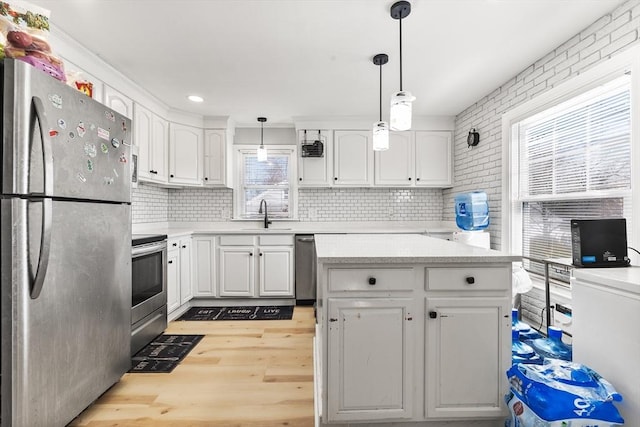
[[480, 168]]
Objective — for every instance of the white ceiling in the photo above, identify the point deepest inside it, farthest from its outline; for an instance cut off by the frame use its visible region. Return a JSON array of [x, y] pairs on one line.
[[288, 58]]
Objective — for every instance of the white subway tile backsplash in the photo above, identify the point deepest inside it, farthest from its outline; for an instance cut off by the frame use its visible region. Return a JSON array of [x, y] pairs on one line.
[[149, 204], [370, 204], [200, 204], [156, 204]]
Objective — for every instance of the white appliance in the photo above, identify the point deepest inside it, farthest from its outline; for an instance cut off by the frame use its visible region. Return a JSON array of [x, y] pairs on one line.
[[606, 315], [479, 238], [65, 234]]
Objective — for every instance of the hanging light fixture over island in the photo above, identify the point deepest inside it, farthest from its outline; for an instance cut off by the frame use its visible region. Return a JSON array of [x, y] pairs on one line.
[[400, 112]]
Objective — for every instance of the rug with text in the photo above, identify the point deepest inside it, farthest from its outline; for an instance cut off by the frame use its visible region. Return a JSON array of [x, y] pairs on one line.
[[164, 353], [269, 312]]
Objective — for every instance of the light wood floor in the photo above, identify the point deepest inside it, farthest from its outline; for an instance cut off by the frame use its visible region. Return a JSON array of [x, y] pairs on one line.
[[242, 373]]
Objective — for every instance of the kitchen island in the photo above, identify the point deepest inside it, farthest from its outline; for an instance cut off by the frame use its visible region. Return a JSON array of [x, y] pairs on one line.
[[412, 330]]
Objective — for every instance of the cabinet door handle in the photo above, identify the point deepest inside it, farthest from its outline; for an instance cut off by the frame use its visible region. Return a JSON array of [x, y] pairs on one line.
[[184, 246], [417, 179], [299, 179], [250, 253], [206, 179], [470, 280], [333, 320], [335, 178], [171, 176], [260, 253], [175, 244], [372, 280], [409, 178], [169, 262], [433, 315]]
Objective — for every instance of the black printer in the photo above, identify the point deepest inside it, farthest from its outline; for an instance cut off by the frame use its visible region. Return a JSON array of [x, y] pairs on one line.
[[599, 242]]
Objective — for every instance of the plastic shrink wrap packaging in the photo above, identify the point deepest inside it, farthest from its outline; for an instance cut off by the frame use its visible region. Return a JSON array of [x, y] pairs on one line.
[[24, 34], [560, 394]]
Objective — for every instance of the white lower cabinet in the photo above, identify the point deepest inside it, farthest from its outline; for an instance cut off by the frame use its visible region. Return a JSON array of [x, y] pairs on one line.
[[276, 271], [370, 344], [424, 343], [465, 357], [204, 266], [173, 280], [179, 289], [237, 272], [256, 266]]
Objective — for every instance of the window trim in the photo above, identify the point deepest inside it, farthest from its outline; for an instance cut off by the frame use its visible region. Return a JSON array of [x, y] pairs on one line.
[[629, 60], [292, 152]]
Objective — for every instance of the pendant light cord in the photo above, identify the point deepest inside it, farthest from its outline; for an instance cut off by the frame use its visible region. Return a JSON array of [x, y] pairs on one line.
[[262, 134], [400, 53], [380, 92]]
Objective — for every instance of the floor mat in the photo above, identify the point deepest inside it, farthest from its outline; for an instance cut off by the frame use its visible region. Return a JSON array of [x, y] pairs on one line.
[[164, 353], [270, 312]]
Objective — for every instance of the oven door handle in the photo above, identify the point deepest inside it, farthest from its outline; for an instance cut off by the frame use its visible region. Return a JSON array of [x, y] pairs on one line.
[[138, 251]]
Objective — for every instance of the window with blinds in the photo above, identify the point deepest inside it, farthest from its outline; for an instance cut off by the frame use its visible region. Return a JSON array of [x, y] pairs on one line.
[[574, 162], [267, 181]]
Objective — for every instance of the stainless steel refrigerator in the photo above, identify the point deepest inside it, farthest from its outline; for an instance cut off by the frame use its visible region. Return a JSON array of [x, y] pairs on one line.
[[65, 236]]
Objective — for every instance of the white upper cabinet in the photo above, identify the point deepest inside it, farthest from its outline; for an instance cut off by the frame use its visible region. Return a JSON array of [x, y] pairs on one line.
[[118, 102], [394, 167], [353, 159], [185, 154], [151, 137], [315, 169], [214, 159], [433, 159]]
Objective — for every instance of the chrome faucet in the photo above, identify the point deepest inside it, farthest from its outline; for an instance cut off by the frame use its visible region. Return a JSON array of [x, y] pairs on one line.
[[266, 215]]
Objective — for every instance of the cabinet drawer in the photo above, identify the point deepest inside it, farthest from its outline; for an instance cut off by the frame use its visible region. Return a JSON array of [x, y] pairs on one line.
[[278, 239], [384, 279], [474, 278], [236, 240]]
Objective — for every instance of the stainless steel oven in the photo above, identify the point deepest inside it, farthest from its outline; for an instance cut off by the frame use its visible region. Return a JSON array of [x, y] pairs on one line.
[[148, 289]]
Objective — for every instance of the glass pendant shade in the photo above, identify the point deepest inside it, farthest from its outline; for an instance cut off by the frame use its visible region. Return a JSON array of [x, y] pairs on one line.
[[380, 136], [400, 112], [262, 153]]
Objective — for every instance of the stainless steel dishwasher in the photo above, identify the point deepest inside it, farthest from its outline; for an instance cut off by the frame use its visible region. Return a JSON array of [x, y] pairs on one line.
[[305, 269]]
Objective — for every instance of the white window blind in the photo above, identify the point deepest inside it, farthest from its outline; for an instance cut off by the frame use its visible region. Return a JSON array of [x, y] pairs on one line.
[[267, 181], [574, 162]]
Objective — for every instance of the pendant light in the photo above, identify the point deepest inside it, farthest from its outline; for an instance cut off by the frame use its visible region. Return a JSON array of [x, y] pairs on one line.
[[262, 151], [400, 112], [380, 128]]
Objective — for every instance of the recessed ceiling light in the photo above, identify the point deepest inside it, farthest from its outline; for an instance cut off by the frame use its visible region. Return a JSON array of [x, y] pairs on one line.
[[195, 98]]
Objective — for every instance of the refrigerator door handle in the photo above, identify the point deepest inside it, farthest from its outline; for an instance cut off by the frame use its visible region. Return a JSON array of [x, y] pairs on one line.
[[47, 155], [45, 247]]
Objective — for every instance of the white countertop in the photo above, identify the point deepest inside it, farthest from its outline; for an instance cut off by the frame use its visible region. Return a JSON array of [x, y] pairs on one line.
[[401, 248], [293, 227], [623, 278]]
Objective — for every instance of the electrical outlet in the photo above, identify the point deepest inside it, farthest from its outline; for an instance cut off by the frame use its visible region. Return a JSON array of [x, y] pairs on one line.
[[561, 316]]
